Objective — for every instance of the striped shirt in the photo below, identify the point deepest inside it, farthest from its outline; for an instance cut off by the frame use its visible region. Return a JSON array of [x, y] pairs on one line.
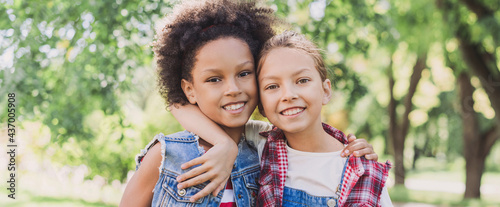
[[228, 197]]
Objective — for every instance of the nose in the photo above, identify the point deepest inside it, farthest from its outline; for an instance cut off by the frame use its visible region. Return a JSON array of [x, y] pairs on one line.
[[288, 93], [232, 88]]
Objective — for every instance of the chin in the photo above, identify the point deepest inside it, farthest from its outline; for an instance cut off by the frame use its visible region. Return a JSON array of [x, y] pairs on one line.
[[236, 123], [293, 128]]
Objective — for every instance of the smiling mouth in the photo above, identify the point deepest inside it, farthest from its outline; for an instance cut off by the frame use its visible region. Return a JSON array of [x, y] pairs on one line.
[[234, 106], [292, 111]]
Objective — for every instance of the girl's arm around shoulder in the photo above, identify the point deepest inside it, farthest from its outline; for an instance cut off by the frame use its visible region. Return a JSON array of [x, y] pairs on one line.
[[139, 190], [216, 164]]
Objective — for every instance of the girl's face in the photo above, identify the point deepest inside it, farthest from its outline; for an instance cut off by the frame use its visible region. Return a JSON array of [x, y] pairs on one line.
[[291, 90], [223, 82]]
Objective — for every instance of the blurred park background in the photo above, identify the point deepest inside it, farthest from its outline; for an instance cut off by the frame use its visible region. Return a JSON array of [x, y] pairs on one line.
[[419, 79]]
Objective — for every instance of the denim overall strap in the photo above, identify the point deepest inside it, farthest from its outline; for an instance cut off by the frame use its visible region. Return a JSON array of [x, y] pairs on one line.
[[299, 198]]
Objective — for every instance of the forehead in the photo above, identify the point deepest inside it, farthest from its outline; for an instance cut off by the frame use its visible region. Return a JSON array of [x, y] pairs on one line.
[[290, 58], [222, 50]]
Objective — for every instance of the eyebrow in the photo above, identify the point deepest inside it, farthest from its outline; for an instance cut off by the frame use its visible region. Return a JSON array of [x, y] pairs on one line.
[[276, 77], [244, 63], [214, 70]]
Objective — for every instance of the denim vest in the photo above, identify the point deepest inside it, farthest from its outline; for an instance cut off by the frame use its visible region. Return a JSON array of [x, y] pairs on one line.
[[182, 147]]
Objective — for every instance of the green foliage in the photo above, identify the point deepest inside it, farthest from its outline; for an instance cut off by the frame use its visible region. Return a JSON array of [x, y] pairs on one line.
[[360, 36], [84, 69], [71, 59]]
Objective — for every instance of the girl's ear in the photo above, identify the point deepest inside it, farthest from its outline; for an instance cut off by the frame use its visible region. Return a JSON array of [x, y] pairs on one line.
[[327, 91], [188, 89]]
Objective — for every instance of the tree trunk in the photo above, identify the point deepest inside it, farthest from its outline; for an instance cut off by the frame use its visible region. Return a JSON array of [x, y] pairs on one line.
[[476, 145], [392, 111], [473, 166], [397, 131], [484, 65]]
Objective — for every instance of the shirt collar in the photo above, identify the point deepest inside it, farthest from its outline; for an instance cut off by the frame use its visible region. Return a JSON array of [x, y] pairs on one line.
[[276, 134]]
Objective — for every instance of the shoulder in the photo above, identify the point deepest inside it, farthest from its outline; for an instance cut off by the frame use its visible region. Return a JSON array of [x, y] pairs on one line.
[[363, 166], [253, 128], [179, 136], [257, 126], [160, 138], [371, 178], [153, 158], [140, 186], [371, 167]]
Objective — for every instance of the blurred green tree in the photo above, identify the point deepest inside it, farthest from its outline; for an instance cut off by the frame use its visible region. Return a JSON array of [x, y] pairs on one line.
[[475, 25], [67, 60]]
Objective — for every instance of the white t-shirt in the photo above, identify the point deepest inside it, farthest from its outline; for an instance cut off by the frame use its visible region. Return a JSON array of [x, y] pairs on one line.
[[317, 174]]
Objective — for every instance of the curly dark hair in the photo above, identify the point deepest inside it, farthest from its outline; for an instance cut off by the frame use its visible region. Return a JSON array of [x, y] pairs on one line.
[[194, 24]]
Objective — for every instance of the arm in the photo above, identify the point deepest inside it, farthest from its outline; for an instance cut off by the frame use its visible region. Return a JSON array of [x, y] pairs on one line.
[[359, 147], [216, 163], [139, 190]]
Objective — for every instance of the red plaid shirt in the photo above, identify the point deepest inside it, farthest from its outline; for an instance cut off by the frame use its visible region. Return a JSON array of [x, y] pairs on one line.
[[363, 179]]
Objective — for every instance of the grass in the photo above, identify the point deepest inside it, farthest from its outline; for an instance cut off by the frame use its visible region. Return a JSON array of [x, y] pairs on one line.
[[27, 199], [430, 169], [401, 194]]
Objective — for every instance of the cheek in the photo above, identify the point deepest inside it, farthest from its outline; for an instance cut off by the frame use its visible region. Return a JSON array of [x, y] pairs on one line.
[[251, 89], [267, 102], [206, 96]]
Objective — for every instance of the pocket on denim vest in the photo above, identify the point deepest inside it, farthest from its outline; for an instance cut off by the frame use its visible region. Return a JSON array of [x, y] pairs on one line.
[[252, 180], [175, 196]]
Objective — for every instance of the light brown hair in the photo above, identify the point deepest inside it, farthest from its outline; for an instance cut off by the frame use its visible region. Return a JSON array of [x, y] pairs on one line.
[[294, 40]]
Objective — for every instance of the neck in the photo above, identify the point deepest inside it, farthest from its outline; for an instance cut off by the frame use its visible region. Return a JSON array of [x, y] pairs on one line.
[[313, 139], [234, 133]]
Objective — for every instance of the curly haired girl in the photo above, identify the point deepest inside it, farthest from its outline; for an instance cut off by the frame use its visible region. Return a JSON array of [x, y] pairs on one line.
[[205, 56]]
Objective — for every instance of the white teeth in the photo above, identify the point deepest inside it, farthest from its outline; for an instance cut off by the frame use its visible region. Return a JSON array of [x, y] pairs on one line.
[[292, 111], [234, 106]]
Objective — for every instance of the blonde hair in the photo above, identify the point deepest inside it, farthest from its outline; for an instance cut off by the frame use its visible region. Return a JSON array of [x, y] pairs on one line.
[[294, 40]]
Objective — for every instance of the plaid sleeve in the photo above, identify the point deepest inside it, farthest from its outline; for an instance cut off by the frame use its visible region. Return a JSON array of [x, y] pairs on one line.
[[368, 188]]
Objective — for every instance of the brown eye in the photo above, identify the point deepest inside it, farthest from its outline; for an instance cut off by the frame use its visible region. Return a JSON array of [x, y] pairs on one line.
[[303, 80], [213, 80], [270, 87], [244, 73]]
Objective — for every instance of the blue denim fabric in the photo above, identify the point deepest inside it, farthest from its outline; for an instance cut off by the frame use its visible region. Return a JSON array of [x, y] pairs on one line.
[[298, 198], [182, 147]]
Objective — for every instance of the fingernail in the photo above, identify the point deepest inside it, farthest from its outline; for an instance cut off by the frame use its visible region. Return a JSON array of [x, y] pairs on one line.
[[178, 179], [356, 153], [179, 186], [183, 166], [346, 151], [343, 154]]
